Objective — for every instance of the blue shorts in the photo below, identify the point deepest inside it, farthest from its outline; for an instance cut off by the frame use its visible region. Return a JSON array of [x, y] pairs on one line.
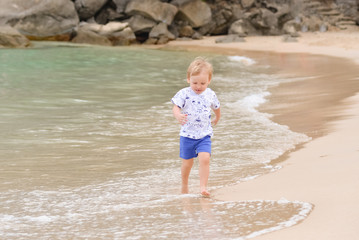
[[189, 148]]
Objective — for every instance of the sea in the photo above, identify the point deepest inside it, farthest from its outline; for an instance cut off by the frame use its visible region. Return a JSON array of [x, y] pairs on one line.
[[89, 148]]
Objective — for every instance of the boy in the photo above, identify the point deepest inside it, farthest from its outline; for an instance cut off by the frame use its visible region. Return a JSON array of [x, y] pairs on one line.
[[192, 108]]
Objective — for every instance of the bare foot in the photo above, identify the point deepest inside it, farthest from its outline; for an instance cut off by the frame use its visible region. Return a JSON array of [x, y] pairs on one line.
[[184, 190], [205, 193]]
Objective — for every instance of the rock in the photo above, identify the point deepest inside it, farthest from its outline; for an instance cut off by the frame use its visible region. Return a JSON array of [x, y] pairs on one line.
[[186, 31], [93, 27], [104, 30], [287, 38], [247, 3], [118, 33], [313, 23], [89, 37], [151, 41], [152, 9], [243, 28], [230, 38], [221, 16], [121, 5], [197, 36], [107, 14], [10, 37], [291, 28], [283, 14], [112, 27], [88, 8], [324, 27], [163, 40], [268, 22], [161, 30], [125, 37], [197, 13], [270, 19], [238, 28], [140, 24], [40, 19]]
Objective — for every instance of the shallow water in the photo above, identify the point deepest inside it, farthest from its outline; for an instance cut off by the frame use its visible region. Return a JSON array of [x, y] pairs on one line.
[[89, 146]]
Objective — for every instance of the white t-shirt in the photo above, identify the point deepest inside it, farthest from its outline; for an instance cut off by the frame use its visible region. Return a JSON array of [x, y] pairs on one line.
[[198, 109]]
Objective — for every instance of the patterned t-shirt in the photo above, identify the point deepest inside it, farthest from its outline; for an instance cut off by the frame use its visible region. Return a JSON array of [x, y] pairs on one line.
[[198, 109]]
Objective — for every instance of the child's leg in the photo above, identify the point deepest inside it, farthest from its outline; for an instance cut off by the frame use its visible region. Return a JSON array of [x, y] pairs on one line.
[[185, 171], [204, 172]]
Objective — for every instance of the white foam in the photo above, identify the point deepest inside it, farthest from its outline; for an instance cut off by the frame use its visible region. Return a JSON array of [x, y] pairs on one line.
[[242, 59], [304, 212], [251, 102]]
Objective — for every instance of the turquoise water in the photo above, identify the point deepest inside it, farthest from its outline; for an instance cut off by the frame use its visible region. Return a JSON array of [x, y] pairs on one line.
[[89, 146]]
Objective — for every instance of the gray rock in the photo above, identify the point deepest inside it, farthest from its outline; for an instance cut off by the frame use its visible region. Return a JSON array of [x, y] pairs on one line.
[[123, 38], [89, 37], [121, 5], [151, 41], [118, 33], [197, 13], [161, 30], [243, 28], [197, 36], [229, 39], [140, 24], [269, 19], [87, 8], [11, 38], [186, 31], [40, 18], [238, 28], [247, 3], [163, 40], [288, 38], [153, 9], [108, 14]]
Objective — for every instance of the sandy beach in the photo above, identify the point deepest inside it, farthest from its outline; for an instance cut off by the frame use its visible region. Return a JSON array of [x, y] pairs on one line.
[[322, 172]]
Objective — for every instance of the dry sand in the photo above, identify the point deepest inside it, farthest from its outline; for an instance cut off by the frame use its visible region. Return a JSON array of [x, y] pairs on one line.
[[323, 172]]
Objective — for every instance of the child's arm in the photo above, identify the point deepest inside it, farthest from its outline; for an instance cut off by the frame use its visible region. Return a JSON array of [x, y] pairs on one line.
[[217, 112], [181, 118]]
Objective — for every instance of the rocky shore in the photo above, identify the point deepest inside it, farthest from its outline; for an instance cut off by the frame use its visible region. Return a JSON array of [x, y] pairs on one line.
[[125, 22]]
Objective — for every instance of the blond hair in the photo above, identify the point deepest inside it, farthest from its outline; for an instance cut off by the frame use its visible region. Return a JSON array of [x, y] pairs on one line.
[[197, 65]]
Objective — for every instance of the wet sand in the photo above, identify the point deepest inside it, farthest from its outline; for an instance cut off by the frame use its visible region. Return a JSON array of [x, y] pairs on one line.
[[324, 104]]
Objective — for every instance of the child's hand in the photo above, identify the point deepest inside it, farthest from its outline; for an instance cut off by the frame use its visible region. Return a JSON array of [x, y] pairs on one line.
[[214, 122], [182, 118]]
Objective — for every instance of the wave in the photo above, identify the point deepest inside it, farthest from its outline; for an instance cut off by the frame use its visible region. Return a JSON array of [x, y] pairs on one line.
[[242, 59]]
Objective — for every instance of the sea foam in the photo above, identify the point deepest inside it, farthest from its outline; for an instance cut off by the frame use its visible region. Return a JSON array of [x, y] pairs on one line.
[[242, 59]]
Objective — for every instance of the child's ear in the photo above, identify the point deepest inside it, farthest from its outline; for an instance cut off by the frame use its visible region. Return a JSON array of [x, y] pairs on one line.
[[188, 80]]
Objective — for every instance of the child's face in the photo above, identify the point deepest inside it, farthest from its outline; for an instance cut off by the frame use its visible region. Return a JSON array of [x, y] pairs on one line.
[[199, 82]]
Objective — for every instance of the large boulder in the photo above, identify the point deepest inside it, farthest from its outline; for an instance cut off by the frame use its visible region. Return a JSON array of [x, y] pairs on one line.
[[113, 33], [40, 19], [10, 37], [238, 28], [243, 27], [153, 9], [121, 5], [247, 3], [104, 30], [89, 37], [161, 30], [140, 24], [197, 13], [123, 38], [87, 8], [107, 14]]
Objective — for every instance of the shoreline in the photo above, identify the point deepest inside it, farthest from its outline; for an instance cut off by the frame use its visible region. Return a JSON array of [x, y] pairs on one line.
[[323, 171]]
